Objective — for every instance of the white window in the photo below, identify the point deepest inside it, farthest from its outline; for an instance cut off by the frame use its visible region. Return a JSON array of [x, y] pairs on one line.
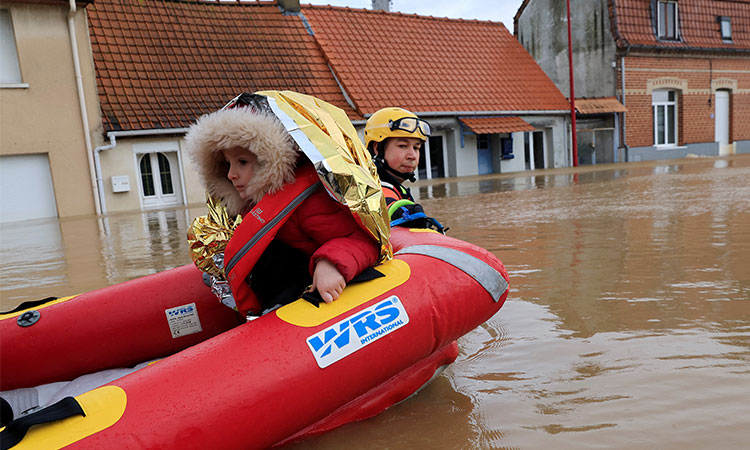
[[665, 117], [10, 72], [667, 20], [726, 28]]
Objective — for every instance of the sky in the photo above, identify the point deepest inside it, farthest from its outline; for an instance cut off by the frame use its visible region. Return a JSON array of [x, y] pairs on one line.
[[495, 10]]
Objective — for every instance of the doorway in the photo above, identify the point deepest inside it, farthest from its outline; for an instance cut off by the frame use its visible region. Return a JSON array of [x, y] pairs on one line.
[[534, 150], [484, 154], [158, 180], [721, 123], [432, 156]]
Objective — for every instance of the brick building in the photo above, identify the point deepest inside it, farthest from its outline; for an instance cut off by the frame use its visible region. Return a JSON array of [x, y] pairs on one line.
[[684, 65]]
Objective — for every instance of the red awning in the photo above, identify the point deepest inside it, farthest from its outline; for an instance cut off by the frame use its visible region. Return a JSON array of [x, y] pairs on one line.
[[603, 105], [493, 125]]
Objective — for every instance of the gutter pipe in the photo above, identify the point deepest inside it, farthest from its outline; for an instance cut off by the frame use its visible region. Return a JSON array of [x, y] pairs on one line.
[[82, 105], [622, 100]]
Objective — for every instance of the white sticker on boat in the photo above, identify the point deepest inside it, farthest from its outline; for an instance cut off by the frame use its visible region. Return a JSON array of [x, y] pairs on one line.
[[183, 320], [357, 331]]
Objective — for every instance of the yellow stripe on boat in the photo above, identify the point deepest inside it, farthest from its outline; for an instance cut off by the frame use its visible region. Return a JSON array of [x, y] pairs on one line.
[[305, 314], [49, 303], [103, 407]]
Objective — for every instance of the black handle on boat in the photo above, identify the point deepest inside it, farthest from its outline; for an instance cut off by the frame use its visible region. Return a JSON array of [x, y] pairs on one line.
[[15, 431], [29, 304]]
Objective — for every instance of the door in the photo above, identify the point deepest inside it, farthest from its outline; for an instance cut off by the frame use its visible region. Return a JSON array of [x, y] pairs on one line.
[[533, 147], [722, 122], [539, 150], [484, 154], [157, 173], [26, 190], [432, 156]]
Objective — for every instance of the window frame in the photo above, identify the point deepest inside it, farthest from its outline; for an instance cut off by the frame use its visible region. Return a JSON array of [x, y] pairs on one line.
[[670, 127], [725, 20], [662, 9], [9, 53]]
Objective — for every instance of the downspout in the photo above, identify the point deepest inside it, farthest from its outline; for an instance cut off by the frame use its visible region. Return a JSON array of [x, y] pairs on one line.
[[82, 105], [98, 170], [622, 100]]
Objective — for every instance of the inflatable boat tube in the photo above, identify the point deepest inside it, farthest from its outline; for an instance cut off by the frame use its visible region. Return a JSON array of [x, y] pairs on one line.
[[296, 371]]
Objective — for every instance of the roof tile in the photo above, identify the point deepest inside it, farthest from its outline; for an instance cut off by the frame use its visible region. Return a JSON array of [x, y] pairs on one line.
[[430, 64], [491, 125], [698, 24], [599, 105], [161, 64]]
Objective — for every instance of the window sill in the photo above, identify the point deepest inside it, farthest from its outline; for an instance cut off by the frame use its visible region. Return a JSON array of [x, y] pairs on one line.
[[670, 147], [14, 85]]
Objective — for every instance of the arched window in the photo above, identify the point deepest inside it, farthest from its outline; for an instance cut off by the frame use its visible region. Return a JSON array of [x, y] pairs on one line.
[[147, 179], [165, 175]]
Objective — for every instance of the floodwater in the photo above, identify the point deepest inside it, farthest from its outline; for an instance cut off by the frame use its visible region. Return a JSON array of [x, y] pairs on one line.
[[627, 324]]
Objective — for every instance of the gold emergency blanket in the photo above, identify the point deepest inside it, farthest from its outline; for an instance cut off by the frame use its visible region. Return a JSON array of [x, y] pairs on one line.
[[208, 237], [327, 137]]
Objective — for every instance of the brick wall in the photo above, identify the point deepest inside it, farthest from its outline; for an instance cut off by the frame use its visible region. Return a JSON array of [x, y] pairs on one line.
[[692, 77]]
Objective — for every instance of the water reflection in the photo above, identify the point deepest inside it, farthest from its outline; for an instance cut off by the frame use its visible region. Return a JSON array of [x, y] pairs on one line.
[[439, 405], [52, 257], [31, 262]]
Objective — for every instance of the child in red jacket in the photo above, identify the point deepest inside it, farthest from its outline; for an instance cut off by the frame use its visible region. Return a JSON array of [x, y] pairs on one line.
[[248, 161]]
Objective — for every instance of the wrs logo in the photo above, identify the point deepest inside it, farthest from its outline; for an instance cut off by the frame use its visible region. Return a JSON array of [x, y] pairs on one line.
[[351, 334], [181, 310]]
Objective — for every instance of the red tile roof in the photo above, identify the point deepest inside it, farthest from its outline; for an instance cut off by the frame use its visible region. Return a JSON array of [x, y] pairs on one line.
[[698, 24], [491, 125], [161, 64], [599, 105], [429, 64]]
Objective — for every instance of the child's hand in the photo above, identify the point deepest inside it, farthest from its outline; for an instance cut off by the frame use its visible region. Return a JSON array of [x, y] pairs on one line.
[[327, 280]]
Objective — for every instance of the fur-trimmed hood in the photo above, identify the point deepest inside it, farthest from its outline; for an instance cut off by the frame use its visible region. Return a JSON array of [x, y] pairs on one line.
[[259, 132]]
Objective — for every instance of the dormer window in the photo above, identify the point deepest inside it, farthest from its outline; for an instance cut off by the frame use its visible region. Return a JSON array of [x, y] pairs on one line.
[[666, 19], [726, 28]]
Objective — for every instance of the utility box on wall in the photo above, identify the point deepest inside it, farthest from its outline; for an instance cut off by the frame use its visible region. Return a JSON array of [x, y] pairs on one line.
[[120, 183]]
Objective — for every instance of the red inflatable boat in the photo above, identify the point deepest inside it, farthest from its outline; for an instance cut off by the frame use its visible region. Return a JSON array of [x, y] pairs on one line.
[[296, 371]]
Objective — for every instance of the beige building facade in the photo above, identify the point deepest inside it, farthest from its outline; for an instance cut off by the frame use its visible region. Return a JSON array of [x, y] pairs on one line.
[[45, 155]]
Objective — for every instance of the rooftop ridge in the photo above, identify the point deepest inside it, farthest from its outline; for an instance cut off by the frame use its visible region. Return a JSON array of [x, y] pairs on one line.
[[398, 13]]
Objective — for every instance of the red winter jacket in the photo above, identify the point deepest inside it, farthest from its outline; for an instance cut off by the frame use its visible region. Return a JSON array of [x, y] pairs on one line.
[[323, 228]]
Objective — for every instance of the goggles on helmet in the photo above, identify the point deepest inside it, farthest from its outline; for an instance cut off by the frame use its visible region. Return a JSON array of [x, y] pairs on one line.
[[410, 125]]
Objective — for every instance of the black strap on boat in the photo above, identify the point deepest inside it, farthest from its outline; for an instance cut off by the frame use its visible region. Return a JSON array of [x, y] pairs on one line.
[[29, 304], [15, 431]]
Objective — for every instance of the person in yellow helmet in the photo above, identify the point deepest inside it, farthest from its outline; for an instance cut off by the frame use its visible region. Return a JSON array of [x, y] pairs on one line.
[[394, 137]]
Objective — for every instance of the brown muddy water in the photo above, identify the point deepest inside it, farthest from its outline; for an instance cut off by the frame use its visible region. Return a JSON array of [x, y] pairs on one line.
[[627, 324]]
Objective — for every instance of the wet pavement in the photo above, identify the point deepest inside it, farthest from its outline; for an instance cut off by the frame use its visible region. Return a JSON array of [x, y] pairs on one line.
[[627, 324]]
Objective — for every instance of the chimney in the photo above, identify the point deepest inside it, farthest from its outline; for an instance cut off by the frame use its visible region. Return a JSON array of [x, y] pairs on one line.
[[383, 5], [289, 5]]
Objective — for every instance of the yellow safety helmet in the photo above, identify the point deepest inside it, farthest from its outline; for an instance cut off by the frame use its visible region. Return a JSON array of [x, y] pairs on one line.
[[395, 122]]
